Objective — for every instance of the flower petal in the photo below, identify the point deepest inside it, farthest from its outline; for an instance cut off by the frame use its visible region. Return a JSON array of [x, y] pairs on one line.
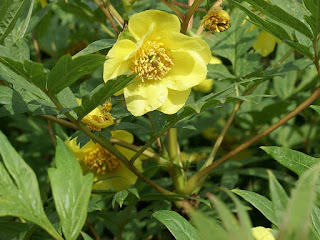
[[140, 23], [142, 97], [117, 61], [175, 101], [122, 135], [181, 42], [189, 70]]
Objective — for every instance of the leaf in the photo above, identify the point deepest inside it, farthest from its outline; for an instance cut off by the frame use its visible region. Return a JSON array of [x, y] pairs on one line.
[[280, 15], [207, 227], [315, 217], [19, 189], [31, 71], [71, 191], [260, 202], [295, 161], [10, 12], [180, 228], [279, 197], [38, 17], [95, 47], [119, 198], [68, 70], [314, 7], [316, 108], [295, 223], [102, 93]]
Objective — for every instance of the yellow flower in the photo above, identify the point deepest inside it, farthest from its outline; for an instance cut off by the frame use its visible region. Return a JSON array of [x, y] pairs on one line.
[[261, 233], [265, 44], [206, 85], [216, 20], [99, 117], [167, 62], [109, 171]]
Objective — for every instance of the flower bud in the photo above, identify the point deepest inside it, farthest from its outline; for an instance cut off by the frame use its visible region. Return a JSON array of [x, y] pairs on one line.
[[216, 20]]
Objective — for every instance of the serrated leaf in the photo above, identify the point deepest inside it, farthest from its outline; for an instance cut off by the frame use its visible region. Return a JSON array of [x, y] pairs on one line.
[[180, 228], [119, 198], [207, 227], [280, 15], [295, 161], [19, 189], [101, 94], [95, 47], [10, 12], [260, 202], [68, 70], [71, 191], [296, 221]]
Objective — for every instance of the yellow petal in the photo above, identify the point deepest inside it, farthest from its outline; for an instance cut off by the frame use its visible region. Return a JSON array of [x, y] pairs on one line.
[[77, 151], [142, 97], [205, 86], [140, 23], [265, 44], [181, 42], [175, 101], [189, 70], [117, 61], [215, 60], [261, 233], [122, 135]]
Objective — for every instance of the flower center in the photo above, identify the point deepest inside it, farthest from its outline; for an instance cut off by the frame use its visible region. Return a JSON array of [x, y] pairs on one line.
[[101, 161], [152, 61]]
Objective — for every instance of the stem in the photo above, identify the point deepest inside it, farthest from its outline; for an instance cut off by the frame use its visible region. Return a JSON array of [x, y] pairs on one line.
[[154, 130], [115, 15], [60, 121], [189, 14], [96, 236], [200, 176], [51, 133], [108, 15], [174, 9], [187, 6]]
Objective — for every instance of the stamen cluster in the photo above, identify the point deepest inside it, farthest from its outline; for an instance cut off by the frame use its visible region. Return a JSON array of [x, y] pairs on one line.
[[216, 20]]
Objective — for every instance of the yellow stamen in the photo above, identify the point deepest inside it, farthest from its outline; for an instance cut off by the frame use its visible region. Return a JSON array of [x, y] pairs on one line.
[[152, 61], [101, 161]]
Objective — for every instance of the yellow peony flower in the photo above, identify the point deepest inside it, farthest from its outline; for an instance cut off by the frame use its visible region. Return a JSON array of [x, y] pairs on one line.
[[98, 118], [265, 44], [261, 233], [216, 20], [167, 62], [109, 171]]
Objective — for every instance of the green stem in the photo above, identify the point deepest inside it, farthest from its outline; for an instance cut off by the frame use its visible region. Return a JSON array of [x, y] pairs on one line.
[[174, 9], [189, 14], [176, 169]]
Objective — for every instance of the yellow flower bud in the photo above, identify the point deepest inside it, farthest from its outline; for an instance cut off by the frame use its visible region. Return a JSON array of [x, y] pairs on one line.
[[216, 20], [261, 233]]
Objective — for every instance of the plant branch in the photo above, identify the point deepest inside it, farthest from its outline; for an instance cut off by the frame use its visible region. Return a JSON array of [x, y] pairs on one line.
[[189, 14], [51, 133], [60, 121], [174, 9], [187, 6], [108, 15], [200, 176]]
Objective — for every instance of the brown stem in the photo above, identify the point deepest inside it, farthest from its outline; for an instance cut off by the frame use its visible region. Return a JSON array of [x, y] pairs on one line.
[[154, 130], [108, 15], [51, 134], [188, 6], [174, 9], [96, 236], [60, 121], [199, 176], [189, 15]]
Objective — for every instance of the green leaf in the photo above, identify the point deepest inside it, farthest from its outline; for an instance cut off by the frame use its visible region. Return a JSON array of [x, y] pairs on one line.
[[314, 7], [38, 17], [316, 108], [279, 197], [95, 47], [295, 161], [295, 223], [230, 223], [68, 70], [119, 197], [19, 189], [260, 202], [207, 227], [102, 93], [280, 15], [315, 217], [71, 191], [10, 12], [180, 228], [31, 71]]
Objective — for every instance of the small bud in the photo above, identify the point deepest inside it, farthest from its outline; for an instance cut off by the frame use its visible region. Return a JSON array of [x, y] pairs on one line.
[[216, 20]]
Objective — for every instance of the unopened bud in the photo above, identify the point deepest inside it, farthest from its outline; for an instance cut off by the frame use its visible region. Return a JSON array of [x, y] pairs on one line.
[[216, 20]]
